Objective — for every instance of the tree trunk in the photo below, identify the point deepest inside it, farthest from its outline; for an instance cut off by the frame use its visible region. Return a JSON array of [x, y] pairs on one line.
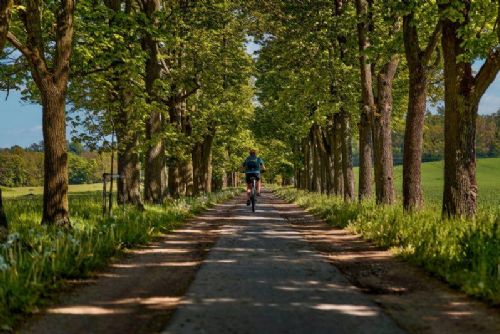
[[338, 179], [460, 188], [383, 140], [55, 185], [365, 124], [154, 169], [173, 178], [130, 169], [417, 60], [316, 175], [322, 157], [186, 167], [328, 144], [346, 143], [202, 165], [5, 12], [414, 130]]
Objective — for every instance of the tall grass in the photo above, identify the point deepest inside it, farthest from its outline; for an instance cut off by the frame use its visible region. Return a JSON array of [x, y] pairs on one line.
[[36, 259], [464, 252]]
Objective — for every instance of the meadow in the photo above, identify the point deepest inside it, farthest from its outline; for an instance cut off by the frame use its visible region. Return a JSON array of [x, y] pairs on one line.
[[37, 260], [488, 180], [464, 252]]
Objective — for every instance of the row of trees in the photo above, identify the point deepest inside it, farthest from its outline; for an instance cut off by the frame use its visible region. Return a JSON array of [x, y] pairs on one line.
[[170, 80], [331, 70], [24, 167]]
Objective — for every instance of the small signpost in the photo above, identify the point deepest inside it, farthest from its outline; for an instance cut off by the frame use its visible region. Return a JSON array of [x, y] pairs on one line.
[[108, 197]]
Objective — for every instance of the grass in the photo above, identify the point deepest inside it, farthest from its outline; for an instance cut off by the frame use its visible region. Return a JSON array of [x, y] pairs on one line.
[[73, 188], [37, 259], [464, 252], [488, 179]]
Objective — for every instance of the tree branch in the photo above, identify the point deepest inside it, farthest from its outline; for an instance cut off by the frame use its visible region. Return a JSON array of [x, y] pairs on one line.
[[191, 92], [433, 43], [20, 46], [64, 38], [487, 73]]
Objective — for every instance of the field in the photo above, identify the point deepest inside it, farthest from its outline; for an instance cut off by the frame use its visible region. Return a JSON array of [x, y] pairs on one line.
[[488, 179], [73, 188]]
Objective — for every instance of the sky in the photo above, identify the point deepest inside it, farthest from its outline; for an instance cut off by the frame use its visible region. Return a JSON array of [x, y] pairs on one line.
[[21, 123]]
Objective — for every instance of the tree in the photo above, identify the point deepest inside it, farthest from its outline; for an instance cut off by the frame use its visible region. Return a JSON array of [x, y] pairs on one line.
[[470, 29], [154, 168], [378, 31], [365, 131], [418, 60], [51, 75]]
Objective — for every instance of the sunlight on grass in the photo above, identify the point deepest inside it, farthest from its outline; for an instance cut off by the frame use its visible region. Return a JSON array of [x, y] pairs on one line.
[[465, 252]]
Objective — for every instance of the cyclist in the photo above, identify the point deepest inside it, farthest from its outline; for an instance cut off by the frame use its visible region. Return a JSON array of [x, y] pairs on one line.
[[252, 166]]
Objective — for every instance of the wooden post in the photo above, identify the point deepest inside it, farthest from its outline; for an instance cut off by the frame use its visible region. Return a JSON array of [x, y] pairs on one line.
[[104, 194], [3, 220]]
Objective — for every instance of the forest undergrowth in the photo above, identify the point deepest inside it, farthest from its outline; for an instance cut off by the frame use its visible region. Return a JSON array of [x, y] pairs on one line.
[[463, 252], [36, 260]]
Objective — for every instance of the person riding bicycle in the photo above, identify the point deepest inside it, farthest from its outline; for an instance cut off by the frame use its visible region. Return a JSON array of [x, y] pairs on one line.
[[252, 166]]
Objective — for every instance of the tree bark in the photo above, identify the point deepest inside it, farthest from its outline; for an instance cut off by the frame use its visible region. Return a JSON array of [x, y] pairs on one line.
[[384, 183], [5, 13], [417, 60], [154, 169], [55, 185], [328, 144], [365, 124], [346, 143], [202, 165], [186, 166], [338, 179], [129, 168], [316, 162]]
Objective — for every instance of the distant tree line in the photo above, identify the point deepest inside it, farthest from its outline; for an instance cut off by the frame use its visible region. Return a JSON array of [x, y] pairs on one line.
[[23, 167], [487, 139]]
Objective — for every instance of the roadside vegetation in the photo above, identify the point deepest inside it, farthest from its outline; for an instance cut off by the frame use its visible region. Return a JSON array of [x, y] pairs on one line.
[[464, 252], [36, 259]]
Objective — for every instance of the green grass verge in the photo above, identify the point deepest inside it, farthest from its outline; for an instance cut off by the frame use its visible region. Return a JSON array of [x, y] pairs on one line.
[[464, 252], [36, 259]]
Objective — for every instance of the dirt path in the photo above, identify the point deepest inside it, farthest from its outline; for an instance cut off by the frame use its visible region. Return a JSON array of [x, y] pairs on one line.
[[267, 272]]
